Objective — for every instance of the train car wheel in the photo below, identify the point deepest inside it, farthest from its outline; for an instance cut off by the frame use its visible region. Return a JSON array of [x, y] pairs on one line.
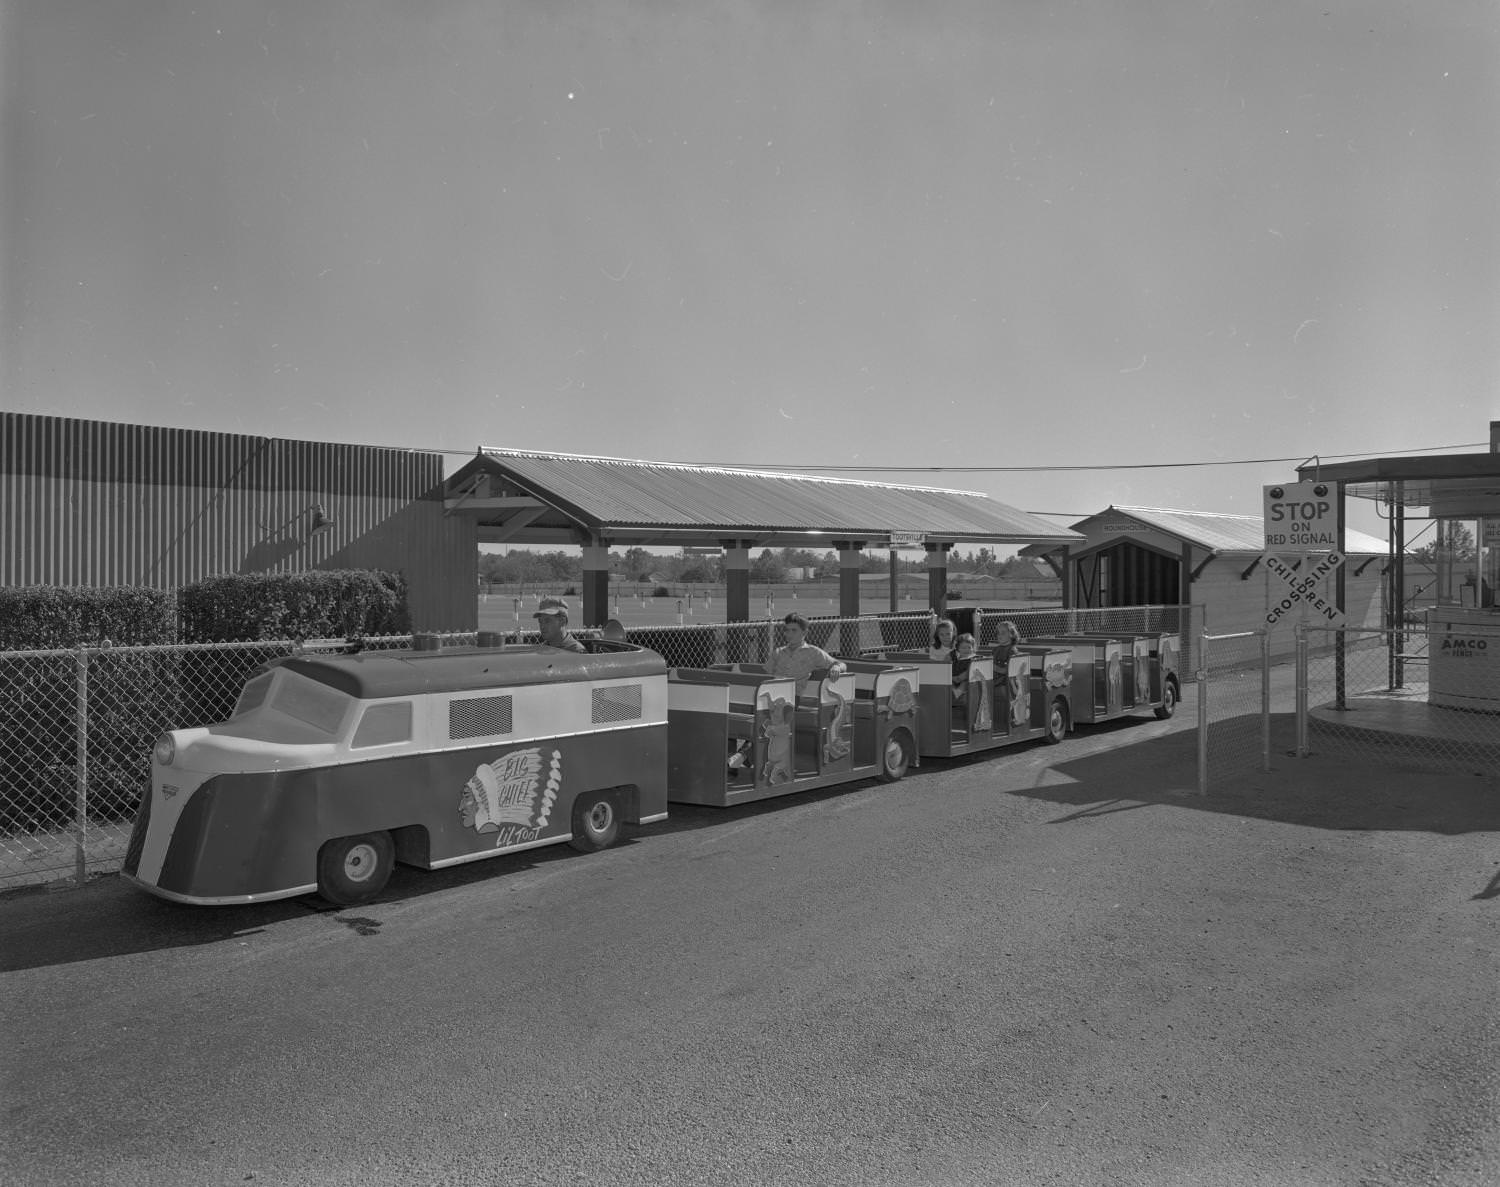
[[355, 869], [1057, 721], [1168, 704], [896, 759], [596, 821]]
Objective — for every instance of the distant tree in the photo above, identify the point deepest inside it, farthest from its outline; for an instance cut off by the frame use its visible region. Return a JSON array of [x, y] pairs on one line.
[[1460, 541], [637, 563], [768, 568], [1018, 568]]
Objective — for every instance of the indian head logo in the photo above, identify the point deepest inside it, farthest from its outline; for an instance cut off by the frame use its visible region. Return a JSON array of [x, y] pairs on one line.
[[512, 797]]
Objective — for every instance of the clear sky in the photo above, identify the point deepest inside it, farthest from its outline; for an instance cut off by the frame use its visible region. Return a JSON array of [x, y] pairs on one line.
[[893, 233]]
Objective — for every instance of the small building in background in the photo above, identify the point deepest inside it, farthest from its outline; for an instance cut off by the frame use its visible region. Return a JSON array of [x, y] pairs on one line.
[[1138, 556]]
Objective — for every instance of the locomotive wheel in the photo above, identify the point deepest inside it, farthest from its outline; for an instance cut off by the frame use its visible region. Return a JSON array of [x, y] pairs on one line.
[[596, 821], [1057, 721], [1168, 704], [896, 759], [355, 869]]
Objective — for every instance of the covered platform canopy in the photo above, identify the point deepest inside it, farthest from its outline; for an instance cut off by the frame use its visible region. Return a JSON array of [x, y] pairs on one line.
[[599, 503], [1452, 485]]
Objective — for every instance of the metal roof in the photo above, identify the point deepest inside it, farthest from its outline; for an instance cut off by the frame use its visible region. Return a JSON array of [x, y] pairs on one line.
[[626, 501], [1219, 531], [1414, 481]]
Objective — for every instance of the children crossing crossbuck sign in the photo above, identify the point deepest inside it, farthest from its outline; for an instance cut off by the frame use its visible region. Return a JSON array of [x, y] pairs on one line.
[[1301, 517], [1305, 589]]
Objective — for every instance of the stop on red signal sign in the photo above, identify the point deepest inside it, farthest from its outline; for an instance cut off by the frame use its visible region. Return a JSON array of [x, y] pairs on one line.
[[1301, 517]]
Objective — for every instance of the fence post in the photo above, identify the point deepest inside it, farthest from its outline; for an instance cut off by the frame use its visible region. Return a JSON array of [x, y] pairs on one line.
[[1301, 680], [1265, 699], [82, 767], [1203, 713]]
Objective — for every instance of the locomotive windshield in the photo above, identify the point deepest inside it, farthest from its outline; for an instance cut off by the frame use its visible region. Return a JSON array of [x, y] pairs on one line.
[[295, 696]]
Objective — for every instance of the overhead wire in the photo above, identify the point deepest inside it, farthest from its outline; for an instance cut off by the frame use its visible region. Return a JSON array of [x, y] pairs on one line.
[[1258, 461]]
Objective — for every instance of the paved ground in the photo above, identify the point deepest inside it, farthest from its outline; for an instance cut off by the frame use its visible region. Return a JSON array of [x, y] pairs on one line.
[[1058, 966]]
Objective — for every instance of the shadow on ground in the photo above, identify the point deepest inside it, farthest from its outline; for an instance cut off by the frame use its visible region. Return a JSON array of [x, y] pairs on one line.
[[1369, 790]]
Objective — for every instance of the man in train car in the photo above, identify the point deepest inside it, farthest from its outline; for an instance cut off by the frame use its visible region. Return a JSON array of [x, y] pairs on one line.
[[799, 658], [552, 620]]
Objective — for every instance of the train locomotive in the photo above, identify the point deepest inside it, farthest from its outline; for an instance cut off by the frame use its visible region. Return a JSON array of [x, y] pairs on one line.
[[332, 768]]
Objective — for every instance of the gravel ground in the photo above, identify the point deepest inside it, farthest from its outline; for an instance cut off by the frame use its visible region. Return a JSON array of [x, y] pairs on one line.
[[1057, 966]]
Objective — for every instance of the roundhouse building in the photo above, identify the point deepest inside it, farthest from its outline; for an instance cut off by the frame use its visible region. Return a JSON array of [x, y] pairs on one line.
[[1133, 556]]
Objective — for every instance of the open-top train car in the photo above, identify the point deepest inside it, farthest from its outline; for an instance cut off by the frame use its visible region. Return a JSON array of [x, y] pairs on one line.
[[739, 734], [1113, 675], [971, 708]]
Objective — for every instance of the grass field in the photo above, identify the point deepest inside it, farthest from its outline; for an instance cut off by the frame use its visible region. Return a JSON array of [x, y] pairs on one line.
[[635, 607], [499, 612]]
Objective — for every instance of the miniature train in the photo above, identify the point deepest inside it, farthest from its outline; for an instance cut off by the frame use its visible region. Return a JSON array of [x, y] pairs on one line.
[[333, 768]]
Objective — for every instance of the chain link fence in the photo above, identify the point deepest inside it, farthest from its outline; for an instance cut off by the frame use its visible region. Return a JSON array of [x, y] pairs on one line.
[[1420, 700], [76, 731], [1237, 685]]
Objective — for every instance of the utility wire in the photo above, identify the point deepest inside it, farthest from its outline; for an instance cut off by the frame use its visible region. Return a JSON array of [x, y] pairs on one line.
[[1254, 461]]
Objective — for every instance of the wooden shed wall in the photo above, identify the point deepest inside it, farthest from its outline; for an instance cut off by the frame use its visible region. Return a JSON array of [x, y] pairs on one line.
[[1231, 604]]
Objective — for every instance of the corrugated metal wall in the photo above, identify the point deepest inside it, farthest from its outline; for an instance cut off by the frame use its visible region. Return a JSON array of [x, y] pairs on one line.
[[94, 503]]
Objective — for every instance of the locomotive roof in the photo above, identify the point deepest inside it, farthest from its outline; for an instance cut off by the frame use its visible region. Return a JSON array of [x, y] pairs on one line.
[[371, 675]]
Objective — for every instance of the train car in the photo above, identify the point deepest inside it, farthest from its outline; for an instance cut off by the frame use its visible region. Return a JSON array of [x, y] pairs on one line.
[[333, 768], [739, 734], [1030, 700], [1120, 673]]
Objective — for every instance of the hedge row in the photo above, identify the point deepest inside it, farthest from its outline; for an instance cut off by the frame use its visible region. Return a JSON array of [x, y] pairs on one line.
[[255, 606], [318, 605], [41, 617]]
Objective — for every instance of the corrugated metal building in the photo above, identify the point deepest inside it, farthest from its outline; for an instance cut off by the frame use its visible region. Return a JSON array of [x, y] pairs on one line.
[[94, 503]]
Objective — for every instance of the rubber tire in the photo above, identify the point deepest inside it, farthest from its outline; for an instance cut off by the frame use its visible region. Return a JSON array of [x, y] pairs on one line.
[[354, 870], [596, 821], [891, 771], [1168, 704], [1058, 718]]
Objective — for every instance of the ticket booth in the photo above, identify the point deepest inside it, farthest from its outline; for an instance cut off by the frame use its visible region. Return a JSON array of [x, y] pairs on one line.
[[1463, 627]]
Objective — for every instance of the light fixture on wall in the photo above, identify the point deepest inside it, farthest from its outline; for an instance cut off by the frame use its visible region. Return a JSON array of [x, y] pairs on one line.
[[320, 518]]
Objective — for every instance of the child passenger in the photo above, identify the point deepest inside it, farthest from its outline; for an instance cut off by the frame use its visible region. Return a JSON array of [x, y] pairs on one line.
[[942, 640]]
